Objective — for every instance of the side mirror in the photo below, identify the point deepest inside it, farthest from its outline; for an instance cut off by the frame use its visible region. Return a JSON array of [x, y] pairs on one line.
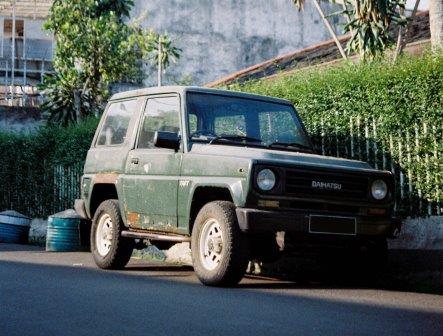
[[164, 139]]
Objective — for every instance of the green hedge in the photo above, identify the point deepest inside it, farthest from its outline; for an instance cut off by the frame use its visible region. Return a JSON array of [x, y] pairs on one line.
[[39, 172], [398, 94], [388, 114]]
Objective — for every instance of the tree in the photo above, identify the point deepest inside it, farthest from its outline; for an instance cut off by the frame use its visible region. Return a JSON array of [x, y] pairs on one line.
[[94, 48], [436, 22], [368, 22], [163, 53]]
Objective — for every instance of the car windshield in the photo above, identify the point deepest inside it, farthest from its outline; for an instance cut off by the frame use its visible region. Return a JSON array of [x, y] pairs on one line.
[[215, 118]]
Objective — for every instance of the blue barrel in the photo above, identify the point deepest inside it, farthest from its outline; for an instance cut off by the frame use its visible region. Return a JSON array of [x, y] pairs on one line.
[[14, 227], [64, 232]]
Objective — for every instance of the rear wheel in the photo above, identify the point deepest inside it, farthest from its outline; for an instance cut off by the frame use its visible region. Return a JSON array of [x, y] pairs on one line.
[[219, 248], [109, 249]]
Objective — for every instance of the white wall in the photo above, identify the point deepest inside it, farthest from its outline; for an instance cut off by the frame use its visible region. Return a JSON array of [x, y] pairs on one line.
[[219, 37]]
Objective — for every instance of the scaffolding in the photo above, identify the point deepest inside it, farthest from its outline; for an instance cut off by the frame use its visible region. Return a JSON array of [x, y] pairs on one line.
[[24, 60]]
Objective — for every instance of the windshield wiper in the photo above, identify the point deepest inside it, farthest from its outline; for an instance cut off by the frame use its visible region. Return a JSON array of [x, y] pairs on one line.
[[234, 138], [290, 144]]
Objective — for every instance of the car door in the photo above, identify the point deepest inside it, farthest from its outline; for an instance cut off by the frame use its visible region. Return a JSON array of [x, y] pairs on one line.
[[150, 183]]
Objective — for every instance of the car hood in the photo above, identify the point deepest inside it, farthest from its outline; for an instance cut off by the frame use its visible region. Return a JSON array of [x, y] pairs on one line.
[[279, 157]]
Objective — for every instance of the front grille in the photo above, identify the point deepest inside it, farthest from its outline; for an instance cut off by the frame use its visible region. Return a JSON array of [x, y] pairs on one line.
[[325, 185], [324, 207]]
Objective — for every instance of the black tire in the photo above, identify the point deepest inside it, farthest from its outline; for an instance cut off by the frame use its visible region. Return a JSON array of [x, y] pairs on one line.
[[121, 248], [234, 252]]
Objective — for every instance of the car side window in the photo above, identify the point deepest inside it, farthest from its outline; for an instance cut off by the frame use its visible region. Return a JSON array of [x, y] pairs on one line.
[[115, 128], [161, 114]]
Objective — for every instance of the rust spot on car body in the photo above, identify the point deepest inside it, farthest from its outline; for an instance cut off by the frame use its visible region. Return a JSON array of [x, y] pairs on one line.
[[106, 178], [133, 217]]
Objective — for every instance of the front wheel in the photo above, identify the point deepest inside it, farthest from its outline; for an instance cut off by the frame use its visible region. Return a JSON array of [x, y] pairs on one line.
[[109, 249], [219, 248]]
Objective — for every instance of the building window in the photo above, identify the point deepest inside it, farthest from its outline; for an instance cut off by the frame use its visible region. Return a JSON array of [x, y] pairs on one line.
[[19, 28]]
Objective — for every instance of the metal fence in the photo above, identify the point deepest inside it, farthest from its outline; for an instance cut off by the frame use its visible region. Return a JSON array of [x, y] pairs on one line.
[[415, 157], [41, 192]]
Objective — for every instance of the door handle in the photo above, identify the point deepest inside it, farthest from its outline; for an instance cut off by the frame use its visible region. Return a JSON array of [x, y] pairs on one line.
[[134, 160]]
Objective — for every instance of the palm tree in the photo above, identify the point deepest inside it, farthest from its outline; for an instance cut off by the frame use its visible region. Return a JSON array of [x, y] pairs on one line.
[[368, 23], [163, 52]]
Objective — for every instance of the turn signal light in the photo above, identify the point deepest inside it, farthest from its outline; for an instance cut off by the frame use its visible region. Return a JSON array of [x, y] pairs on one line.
[[268, 204], [377, 211]]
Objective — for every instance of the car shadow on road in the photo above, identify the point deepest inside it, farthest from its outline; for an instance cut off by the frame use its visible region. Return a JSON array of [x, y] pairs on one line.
[[404, 272], [260, 282]]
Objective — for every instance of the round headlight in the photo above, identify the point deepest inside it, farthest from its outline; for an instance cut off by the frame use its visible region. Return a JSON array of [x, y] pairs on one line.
[[266, 179], [379, 189]]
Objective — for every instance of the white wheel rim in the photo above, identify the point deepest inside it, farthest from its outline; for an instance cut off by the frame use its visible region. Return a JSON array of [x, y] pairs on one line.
[[103, 235], [211, 244]]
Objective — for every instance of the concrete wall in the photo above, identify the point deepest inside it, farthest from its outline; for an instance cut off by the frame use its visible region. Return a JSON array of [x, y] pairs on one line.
[[222, 36]]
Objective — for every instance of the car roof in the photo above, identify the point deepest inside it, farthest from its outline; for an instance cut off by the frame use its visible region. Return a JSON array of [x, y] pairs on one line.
[[182, 89]]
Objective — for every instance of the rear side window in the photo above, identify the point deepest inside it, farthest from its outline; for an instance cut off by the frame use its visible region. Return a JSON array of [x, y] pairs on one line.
[[115, 128]]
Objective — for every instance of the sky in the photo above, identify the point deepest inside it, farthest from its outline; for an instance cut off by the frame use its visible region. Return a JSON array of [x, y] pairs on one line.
[[424, 4]]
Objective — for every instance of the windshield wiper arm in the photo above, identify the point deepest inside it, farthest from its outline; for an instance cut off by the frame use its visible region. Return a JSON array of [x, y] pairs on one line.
[[290, 144], [234, 138]]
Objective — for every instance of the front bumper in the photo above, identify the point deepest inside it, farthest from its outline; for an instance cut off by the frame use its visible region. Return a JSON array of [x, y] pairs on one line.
[[255, 221]]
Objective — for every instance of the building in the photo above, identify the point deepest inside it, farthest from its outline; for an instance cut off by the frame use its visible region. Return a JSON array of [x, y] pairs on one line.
[[26, 50]]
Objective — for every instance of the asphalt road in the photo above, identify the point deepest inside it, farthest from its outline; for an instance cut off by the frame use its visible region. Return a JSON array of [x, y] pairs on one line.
[[65, 294]]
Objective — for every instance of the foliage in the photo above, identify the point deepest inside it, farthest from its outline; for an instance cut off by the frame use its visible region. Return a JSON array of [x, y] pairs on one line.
[[147, 41], [168, 51], [402, 99], [60, 92], [39, 173], [368, 22], [123, 7], [94, 48], [397, 94]]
